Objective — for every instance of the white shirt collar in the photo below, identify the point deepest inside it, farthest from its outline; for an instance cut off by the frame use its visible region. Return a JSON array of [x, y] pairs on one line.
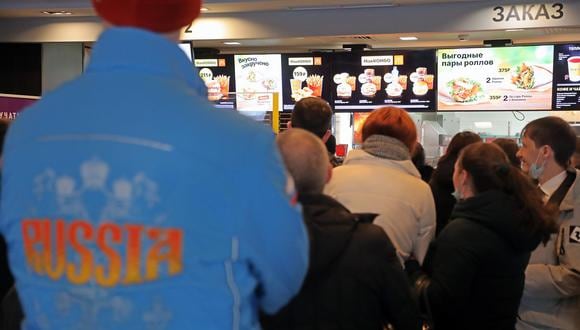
[[550, 186]]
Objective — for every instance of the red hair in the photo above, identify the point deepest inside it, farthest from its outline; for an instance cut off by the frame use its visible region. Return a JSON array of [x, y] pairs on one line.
[[393, 122]]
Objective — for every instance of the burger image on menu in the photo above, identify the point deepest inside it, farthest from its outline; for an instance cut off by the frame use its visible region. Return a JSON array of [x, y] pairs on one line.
[[345, 85], [422, 82], [394, 89], [371, 84], [368, 90]]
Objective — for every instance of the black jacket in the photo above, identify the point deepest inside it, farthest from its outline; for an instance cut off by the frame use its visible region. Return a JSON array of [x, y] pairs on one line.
[[441, 184], [477, 264], [6, 279], [354, 281]]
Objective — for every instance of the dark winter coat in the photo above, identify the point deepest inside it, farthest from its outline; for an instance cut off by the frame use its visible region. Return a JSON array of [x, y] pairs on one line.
[[6, 280], [476, 266], [354, 281], [441, 184]]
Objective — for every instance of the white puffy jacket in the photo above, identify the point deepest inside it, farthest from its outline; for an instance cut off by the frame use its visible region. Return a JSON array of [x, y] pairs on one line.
[[551, 297], [394, 190]]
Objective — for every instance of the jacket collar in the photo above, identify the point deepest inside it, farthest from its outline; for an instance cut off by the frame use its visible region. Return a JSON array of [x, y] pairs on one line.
[[320, 199], [358, 156], [122, 49]]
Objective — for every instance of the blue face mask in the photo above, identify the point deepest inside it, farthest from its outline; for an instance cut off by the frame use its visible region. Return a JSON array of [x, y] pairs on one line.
[[537, 170], [457, 195]]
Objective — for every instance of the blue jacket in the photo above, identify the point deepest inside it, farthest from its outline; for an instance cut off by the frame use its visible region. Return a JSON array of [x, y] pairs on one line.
[[130, 203]]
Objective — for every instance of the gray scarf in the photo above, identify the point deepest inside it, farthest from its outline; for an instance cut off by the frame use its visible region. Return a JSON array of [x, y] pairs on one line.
[[383, 146]]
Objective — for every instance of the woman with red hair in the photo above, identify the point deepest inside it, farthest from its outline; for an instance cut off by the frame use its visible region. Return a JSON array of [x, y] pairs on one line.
[[382, 179]]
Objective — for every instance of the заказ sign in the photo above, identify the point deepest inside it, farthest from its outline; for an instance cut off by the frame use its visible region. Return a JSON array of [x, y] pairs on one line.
[[533, 12]]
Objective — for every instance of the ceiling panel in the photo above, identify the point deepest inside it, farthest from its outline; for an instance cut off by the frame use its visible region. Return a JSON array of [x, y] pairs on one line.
[[82, 8]]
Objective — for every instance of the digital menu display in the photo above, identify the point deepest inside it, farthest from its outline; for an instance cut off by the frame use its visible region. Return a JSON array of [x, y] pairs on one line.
[[305, 75], [186, 48], [12, 105], [506, 78], [365, 81], [566, 77], [217, 72], [257, 78], [359, 119]]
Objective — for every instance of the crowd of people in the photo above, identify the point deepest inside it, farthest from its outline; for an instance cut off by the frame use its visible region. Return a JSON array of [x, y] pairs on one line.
[[159, 221]]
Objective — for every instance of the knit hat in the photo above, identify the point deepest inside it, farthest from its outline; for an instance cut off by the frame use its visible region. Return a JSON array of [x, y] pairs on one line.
[[154, 15]]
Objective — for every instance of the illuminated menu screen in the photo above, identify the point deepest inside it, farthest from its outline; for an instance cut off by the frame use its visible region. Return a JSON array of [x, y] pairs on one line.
[[507, 78], [366, 81], [218, 74], [566, 77], [305, 75], [258, 77]]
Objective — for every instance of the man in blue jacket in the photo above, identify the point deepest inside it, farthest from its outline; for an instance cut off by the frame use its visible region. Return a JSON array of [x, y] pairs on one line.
[[121, 207]]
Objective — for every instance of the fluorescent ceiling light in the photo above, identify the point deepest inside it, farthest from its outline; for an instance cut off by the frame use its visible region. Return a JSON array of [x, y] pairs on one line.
[[232, 43], [483, 124], [353, 6], [56, 13], [514, 30], [204, 9], [408, 38]]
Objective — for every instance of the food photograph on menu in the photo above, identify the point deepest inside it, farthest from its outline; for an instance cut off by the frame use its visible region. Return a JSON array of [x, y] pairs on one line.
[[258, 77], [503, 78], [217, 72], [305, 75], [368, 80], [566, 77]]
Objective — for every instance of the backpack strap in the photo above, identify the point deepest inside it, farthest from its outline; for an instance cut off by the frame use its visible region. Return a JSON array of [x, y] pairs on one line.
[[560, 193]]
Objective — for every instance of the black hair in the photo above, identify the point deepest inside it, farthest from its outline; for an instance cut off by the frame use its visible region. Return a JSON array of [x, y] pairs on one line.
[[312, 114], [554, 132], [490, 168]]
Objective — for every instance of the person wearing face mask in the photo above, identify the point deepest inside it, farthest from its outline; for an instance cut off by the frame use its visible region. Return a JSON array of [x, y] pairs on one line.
[[551, 297], [473, 275]]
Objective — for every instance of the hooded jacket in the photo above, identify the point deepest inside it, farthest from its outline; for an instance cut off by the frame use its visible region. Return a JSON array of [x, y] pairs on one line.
[[121, 210], [552, 293], [477, 264], [393, 189], [354, 278]]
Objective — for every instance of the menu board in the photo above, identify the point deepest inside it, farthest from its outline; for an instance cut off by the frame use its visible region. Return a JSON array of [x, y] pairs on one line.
[[506, 78], [359, 119], [217, 72], [257, 78], [186, 48], [305, 75], [365, 81], [566, 77], [12, 105]]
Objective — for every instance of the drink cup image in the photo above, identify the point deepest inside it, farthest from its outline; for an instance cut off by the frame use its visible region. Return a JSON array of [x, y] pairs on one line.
[[296, 85], [421, 71], [351, 80], [403, 81], [429, 80], [574, 68], [369, 72], [377, 81], [213, 90]]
